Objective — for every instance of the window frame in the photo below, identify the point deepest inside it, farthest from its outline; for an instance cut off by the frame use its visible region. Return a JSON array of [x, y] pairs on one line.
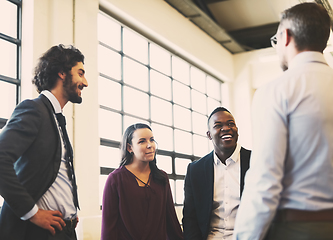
[[18, 42], [173, 154]]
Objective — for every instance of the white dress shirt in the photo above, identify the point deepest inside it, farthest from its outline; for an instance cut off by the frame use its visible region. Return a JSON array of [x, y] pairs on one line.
[[59, 196], [226, 196], [292, 157]]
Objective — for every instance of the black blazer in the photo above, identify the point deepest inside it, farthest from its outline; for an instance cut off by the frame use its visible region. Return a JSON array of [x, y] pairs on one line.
[[199, 187], [30, 156]]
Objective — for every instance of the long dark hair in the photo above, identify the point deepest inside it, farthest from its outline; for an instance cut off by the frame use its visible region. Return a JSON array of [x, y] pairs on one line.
[[127, 158]]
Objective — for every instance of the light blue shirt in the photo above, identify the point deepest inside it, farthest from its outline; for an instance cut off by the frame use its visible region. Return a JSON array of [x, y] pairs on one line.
[[292, 158], [59, 196]]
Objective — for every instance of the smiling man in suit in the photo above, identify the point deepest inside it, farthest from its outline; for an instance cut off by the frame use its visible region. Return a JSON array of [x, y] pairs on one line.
[[214, 183], [37, 178]]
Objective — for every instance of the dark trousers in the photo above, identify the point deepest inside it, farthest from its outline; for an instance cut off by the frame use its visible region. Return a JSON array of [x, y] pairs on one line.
[[319, 230], [36, 233], [65, 234]]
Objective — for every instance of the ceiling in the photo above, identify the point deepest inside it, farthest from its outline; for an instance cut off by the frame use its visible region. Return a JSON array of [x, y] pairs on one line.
[[238, 25]]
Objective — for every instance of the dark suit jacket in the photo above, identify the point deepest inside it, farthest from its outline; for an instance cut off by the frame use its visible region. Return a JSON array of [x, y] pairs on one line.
[[199, 187], [30, 155]]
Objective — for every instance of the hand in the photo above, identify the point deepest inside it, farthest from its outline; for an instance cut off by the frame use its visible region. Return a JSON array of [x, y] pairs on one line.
[[77, 218], [48, 220]]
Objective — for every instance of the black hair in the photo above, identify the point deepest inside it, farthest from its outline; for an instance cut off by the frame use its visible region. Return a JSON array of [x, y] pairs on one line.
[[218, 109], [127, 158], [58, 59]]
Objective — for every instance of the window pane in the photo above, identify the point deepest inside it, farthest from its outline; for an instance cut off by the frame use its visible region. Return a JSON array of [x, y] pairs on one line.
[[183, 142], [160, 85], [182, 118], [109, 62], [109, 31], [172, 187], [164, 163], [160, 59], [179, 212], [180, 70], [109, 125], [128, 120], [161, 111], [109, 157], [179, 191], [136, 102], [199, 102], [181, 165], [7, 99], [135, 74], [8, 18], [212, 104], [109, 93], [102, 181], [135, 46], [8, 59], [199, 123], [213, 88], [164, 136], [198, 79], [181, 94], [200, 145]]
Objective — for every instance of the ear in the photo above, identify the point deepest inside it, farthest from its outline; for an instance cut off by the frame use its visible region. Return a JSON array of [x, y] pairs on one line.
[[62, 75], [129, 147], [286, 37], [208, 135]]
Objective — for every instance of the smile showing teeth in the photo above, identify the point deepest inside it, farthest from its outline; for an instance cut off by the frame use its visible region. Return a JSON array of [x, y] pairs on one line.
[[226, 136]]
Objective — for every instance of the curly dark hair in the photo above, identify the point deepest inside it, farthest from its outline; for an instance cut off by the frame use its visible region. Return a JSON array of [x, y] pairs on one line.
[[58, 59]]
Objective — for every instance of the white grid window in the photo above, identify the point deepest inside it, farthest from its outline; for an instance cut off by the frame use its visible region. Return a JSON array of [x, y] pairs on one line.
[[142, 82], [10, 47]]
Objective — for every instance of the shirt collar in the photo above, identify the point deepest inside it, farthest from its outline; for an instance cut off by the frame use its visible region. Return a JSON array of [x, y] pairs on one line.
[[234, 157], [307, 56], [54, 101]]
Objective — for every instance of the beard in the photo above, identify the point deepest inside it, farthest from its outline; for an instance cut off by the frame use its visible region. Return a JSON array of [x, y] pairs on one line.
[[70, 90]]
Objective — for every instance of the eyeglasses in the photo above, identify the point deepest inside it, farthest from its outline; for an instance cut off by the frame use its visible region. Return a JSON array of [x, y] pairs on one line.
[[274, 41]]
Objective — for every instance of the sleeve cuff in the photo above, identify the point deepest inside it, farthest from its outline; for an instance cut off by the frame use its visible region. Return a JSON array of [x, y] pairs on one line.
[[30, 214]]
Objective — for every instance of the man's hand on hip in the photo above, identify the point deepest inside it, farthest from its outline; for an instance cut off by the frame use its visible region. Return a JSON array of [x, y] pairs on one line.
[[48, 220]]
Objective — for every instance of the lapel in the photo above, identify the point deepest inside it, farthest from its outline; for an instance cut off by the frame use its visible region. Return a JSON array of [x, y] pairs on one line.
[[204, 191], [209, 177], [50, 110], [244, 166]]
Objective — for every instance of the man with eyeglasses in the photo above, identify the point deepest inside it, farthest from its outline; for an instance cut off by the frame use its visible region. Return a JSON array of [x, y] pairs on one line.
[[288, 192]]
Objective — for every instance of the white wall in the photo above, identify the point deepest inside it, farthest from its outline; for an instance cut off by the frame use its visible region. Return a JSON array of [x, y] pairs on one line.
[[252, 69]]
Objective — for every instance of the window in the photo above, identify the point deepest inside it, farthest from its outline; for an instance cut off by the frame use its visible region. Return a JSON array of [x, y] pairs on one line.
[[139, 81], [10, 59]]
